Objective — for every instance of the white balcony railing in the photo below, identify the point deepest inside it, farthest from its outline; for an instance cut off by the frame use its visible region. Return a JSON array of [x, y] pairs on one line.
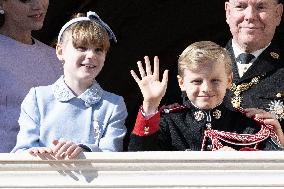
[[145, 170]]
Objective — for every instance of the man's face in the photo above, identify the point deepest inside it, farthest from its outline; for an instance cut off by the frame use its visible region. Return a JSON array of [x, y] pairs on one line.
[[253, 22]]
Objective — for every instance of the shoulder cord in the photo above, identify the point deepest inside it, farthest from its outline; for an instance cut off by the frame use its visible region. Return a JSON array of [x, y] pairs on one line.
[[239, 139]]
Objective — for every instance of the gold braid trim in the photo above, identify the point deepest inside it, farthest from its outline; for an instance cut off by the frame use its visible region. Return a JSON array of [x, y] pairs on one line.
[[238, 89]]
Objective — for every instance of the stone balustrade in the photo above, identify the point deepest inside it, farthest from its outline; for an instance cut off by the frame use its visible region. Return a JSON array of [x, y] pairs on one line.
[[145, 170]]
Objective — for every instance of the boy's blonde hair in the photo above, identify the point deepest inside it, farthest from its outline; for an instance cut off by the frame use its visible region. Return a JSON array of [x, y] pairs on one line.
[[86, 33], [203, 52]]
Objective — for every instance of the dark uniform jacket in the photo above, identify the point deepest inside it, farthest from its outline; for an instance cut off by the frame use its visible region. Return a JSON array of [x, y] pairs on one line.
[[268, 92], [182, 128]]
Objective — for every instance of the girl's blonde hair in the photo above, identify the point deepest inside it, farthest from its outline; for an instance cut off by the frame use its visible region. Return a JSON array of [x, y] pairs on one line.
[[203, 52]]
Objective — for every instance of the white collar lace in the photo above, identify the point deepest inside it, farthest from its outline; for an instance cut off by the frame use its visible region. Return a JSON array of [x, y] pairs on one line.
[[91, 96]]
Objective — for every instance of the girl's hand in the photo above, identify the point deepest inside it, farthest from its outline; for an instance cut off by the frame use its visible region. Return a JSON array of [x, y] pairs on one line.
[[151, 88], [40, 151], [66, 149]]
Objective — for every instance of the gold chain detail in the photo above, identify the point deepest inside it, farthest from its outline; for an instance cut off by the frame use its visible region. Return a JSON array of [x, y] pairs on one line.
[[238, 89]]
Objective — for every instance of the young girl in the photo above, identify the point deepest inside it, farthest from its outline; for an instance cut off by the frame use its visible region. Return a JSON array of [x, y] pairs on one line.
[[203, 122], [74, 114]]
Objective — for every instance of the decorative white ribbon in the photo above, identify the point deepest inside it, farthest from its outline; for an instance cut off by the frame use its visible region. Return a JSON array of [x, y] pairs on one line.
[[91, 16]]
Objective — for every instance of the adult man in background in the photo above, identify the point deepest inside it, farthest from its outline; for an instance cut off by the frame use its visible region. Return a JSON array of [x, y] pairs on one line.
[[258, 65]]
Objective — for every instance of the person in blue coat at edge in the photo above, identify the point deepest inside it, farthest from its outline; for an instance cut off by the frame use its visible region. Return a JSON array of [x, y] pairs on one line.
[[258, 63], [74, 114], [202, 122]]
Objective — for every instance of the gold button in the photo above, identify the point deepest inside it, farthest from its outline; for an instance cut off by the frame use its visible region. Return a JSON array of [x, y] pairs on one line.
[[274, 55], [146, 130], [209, 147]]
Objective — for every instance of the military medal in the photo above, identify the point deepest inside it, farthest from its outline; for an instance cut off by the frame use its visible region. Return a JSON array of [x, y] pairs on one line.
[[276, 107], [236, 101]]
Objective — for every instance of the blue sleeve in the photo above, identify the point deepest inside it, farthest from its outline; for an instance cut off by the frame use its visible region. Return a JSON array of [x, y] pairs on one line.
[[29, 120]]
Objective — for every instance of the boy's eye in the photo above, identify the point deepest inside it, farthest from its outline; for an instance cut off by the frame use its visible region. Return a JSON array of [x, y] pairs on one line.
[[196, 82], [24, 1]]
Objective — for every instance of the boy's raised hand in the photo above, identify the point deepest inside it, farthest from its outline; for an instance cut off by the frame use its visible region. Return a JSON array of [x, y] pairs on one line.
[[150, 86]]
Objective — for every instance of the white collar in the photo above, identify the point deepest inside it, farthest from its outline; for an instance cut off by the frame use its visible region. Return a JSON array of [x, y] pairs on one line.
[[238, 51], [91, 96]]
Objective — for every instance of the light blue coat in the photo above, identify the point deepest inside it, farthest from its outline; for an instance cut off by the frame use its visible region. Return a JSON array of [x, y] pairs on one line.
[[96, 118]]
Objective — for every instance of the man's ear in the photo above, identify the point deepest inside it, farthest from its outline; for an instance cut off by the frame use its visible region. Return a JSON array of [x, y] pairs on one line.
[[180, 83], [279, 12], [227, 10], [59, 52]]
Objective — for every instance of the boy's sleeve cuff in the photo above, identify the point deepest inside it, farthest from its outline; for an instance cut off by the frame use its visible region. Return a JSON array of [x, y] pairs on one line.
[[145, 127]]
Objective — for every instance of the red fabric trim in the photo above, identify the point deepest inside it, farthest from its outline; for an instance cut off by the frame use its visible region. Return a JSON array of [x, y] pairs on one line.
[[145, 127]]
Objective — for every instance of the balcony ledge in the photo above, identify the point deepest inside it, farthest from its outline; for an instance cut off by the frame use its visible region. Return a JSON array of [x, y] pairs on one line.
[[260, 169]]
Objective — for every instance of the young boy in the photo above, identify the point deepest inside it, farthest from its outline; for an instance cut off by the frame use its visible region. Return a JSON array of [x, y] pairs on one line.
[[202, 122]]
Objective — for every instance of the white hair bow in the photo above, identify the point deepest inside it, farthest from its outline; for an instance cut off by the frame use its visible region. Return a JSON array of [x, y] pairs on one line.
[[91, 16]]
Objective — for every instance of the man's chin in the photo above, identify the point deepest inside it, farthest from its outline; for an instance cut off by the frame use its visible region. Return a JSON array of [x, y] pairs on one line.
[[251, 43]]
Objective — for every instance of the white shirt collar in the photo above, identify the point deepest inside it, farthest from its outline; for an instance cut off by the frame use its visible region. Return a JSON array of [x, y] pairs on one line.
[[238, 51], [242, 68]]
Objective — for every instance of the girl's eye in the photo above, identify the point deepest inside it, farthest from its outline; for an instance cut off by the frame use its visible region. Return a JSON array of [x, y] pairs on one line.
[[81, 48], [99, 50]]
